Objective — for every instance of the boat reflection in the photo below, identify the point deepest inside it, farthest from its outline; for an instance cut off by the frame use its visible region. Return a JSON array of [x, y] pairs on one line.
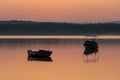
[[39, 58], [90, 52]]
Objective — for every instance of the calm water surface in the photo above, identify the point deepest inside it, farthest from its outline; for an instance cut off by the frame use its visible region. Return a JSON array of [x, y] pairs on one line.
[[68, 63]]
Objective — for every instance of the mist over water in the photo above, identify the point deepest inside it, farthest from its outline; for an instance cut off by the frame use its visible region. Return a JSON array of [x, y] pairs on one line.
[[68, 61]]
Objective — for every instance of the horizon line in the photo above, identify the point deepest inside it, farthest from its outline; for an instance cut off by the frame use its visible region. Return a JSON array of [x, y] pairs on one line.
[[62, 22]]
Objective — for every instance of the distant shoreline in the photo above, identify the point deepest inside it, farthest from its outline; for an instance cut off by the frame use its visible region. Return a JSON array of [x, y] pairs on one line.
[[51, 28]]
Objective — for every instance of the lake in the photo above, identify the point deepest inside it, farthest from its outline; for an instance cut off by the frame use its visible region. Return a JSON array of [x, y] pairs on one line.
[[68, 61]]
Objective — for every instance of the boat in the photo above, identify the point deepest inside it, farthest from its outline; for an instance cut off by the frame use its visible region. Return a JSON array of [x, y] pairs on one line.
[[39, 58], [41, 53], [91, 44], [90, 47]]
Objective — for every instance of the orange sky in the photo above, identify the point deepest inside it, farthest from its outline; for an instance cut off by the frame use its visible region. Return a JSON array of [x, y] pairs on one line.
[[60, 10]]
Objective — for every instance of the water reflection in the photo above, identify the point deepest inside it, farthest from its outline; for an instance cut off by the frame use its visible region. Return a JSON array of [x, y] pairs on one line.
[[67, 61], [35, 58], [92, 51]]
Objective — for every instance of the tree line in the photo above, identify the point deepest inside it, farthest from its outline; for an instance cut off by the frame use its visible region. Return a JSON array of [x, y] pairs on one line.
[[52, 28]]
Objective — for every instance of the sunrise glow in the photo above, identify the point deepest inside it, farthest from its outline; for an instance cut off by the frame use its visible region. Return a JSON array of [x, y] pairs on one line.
[[60, 10]]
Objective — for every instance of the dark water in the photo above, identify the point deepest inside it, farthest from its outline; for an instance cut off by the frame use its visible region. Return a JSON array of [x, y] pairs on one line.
[[68, 61]]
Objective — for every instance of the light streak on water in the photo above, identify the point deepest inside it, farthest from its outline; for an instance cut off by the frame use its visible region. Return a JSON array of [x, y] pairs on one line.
[[58, 37]]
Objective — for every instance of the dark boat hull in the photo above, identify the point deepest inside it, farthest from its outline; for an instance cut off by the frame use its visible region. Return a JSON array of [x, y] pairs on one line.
[[90, 44], [40, 53]]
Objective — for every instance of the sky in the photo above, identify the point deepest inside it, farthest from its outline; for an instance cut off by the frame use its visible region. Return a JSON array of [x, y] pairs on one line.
[[77, 11]]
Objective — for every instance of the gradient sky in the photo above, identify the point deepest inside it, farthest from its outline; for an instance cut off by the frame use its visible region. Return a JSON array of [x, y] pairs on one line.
[[60, 10]]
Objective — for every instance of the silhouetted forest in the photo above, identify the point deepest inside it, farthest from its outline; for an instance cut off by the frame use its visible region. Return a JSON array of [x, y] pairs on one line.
[[51, 28]]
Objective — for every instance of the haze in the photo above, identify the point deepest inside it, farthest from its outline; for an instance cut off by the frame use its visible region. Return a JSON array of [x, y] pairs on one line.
[[60, 10]]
